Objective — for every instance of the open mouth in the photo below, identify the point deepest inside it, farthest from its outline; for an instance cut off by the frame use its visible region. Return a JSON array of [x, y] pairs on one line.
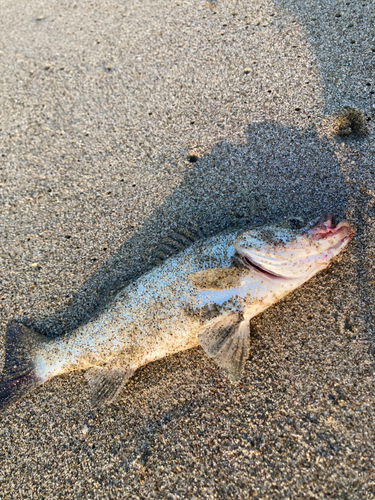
[[327, 228], [298, 257], [254, 266]]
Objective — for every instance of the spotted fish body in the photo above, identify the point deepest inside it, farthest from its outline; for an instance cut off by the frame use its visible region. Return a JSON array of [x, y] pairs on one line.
[[205, 295], [148, 320]]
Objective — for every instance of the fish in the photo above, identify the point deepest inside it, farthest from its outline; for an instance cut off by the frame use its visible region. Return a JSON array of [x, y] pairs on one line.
[[204, 295]]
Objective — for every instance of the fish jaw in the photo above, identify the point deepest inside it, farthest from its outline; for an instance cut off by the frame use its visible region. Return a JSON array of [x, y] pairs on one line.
[[331, 239], [326, 230], [298, 257]]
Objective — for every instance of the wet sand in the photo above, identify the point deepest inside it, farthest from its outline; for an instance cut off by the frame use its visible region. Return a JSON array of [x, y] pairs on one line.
[[121, 121]]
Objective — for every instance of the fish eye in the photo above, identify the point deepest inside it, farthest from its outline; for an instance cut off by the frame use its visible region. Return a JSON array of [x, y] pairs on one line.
[[295, 223], [291, 222]]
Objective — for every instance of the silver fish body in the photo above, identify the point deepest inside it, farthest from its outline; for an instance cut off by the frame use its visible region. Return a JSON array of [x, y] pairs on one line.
[[205, 295], [148, 320]]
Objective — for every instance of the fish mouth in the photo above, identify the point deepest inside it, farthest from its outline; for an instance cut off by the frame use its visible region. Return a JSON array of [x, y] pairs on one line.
[[252, 265], [326, 228], [313, 249]]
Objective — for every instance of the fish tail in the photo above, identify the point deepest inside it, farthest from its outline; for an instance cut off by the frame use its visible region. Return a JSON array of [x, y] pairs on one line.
[[19, 377]]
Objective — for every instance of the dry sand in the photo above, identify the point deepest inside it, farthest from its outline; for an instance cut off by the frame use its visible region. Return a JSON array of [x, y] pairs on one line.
[[105, 106]]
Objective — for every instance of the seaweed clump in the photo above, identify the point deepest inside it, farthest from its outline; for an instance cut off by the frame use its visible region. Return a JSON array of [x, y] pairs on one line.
[[348, 122]]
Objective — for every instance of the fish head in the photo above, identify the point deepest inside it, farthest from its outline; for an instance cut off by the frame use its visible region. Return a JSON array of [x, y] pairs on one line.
[[291, 252]]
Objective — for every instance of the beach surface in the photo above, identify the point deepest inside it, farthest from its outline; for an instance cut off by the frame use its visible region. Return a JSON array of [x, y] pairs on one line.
[[122, 121]]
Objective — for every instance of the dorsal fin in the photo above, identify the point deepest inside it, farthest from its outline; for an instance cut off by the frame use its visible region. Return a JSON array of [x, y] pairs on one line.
[[179, 238]]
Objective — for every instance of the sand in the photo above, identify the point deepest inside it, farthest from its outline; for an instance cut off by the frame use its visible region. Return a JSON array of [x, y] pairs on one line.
[[119, 122]]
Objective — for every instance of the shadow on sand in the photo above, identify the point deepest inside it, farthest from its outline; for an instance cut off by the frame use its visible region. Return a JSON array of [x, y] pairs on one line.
[[278, 171]]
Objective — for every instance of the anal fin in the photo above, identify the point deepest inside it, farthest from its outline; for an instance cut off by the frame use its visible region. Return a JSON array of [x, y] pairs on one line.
[[106, 384], [227, 342]]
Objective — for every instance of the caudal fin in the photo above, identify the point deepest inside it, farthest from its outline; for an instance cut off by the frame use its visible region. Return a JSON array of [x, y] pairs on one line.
[[19, 378]]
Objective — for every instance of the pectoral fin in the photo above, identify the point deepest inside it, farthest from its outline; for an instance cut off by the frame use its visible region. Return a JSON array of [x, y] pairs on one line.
[[106, 384], [227, 342]]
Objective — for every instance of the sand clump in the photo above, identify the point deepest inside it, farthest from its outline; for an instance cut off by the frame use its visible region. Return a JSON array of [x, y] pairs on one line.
[[348, 122], [217, 279]]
